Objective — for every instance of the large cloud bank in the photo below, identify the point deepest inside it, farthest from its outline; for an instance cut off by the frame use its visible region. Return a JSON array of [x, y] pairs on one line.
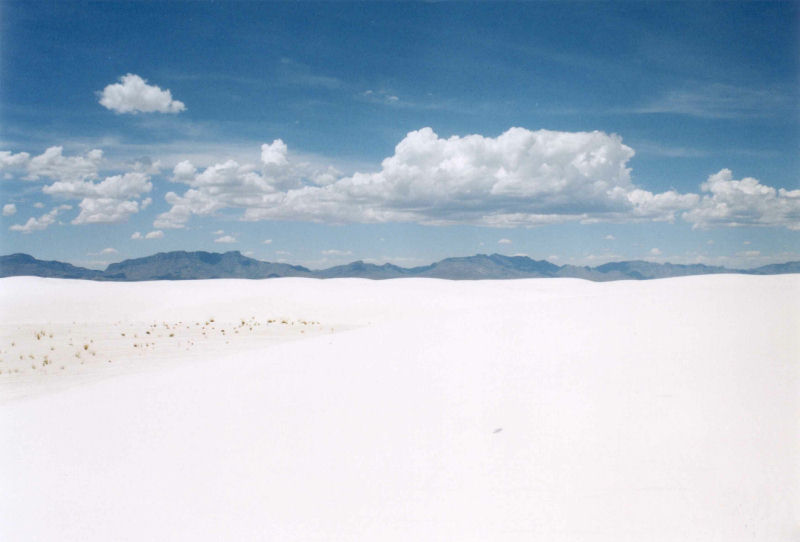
[[133, 95], [520, 178]]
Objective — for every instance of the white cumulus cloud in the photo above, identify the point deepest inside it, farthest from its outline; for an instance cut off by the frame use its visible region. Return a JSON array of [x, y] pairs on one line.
[[274, 154], [125, 186], [225, 239], [521, 177], [504, 241], [745, 202], [105, 211], [53, 164], [9, 209], [11, 160], [156, 234], [110, 201], [229, 184], [146, 165], [133, 95], [41, 223]]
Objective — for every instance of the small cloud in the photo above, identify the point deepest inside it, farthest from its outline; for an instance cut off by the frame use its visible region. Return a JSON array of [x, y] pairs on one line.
[[334, 252], [41, 223], [136, 235], [9, 159], [297, 74], [133, 95], [104, 252], [504, 241], [248, 253], [155, 234], [9, 209], [710, 242], [219, 232], [146, 165], [750, 253], [283, 253], [380, 96], [655, 252], [39, 205], [267, 241], [609, 237], [225, 239], [745, 242]]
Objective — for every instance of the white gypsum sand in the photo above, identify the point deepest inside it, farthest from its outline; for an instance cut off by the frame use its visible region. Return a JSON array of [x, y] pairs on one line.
[[59, 333], [555, 410]]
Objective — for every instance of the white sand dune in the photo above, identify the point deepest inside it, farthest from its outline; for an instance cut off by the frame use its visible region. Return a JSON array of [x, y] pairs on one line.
[[553, 410]]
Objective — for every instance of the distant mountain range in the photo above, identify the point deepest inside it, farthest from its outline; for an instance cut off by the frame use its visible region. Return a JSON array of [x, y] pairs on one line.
[[182, 265]]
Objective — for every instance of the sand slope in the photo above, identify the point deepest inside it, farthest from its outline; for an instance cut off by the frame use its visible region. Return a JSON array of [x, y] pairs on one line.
[[517, 410]]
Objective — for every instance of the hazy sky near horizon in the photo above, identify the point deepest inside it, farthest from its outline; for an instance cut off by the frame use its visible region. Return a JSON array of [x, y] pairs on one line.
[[324, 133]]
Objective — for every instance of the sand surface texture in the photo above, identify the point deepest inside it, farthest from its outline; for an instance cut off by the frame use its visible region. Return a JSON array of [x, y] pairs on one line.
[[554, 410]]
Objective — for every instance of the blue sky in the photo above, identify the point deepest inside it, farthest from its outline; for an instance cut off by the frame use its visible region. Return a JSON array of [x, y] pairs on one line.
[[324, 133]]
